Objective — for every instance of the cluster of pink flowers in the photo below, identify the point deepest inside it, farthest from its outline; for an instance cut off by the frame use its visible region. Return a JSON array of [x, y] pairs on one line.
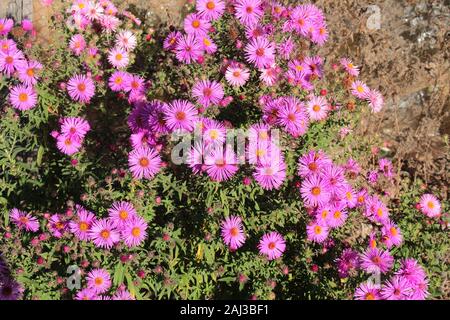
[[14, 65], [69, 139], [409, 282], [272, 244], [98, 285]]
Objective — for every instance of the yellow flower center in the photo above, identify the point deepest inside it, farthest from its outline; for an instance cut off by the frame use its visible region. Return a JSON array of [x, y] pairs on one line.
[[136, 232], [105, 234], [144, 162], [316, 108], [234, 231], [317, 229], [23, 97], [315, 191], [83, 226], [210, 5]]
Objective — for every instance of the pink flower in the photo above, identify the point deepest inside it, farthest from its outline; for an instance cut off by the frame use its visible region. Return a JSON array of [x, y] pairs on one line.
[[430, 205], [99, 280], [24, 220], [272, 245], [317, 232], [248, 11], [134, 231], [81, 88], [144, 163], [207, 92], [260, 52], [232, 232], [104, 234], [23, 97]]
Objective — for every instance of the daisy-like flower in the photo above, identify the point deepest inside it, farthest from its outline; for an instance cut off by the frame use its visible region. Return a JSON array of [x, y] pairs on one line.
[[317, 232], [412, 271], [236, 75], [392, 235], [349, 67], [214, 133], [221, 164], [123, 294], [322, 215], [126, 40], [286, 48], [188, 49], [94, 11], [10, 289], [376, 100], [23, 97], [56, 226], [28, 72], [118, 80], [7, 44], [24, 220], [121, 212], [207, 44], [334, 177], [6, 26], [315, 65], [134, 231], [118, 58], [232, 232], [300, 20], [248, 12], [210, 9], [375, 260], [292, 116], [320, 34], [75, 127], [367, 291], [376, 210], [359, 89], [82, 224], [104, 234], [207, 92], [312, 163], [260, 52], [338, 215], [77, 44], [81, 88], [99, 280], [272, 245], [270, 75], [347, 263], [315, 191], [317, 108], [171, 40], [430, 205], [270, 174], [142, 138], [397, 288], [134, 84], [144, 163], [419, 290], [68, 144], [10, 61], [196, 25], [180, 115], [349, 196]]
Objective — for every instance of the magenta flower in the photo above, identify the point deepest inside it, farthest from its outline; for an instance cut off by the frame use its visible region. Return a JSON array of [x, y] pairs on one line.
[[126, 40], [236, 75], [207, 92], [123, 294], [6, 26], [118, 58], [317, 231], [367, 291], [75, 127], [188, 49], [144, 163], [24, 220], [81, 226], [232, 232], [118, 81], [56, 226], [23, 97], [317, 108], [171, 40], [248, 12], [221, 164], [81, 88], [134, 231], [315, 191], [180, 115], [375, 99], [77, 44], [99, 280], [210, 9], [196, 25], [430, 205], [260, 52], [397, 288], [272, 245], [350, 67], [270, 174], [359, 89], [375, 260], [312, 163], [392, 235], [28, 72], [121, 212], [68, 144], [412, 271], [86, 294], [104, 234]]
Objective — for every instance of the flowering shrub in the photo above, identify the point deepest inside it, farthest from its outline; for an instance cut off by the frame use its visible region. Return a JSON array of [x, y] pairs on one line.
[[214, 161]]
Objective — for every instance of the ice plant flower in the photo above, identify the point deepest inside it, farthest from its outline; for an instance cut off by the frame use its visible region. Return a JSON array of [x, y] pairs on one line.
[[272, 245], [232, 232]]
